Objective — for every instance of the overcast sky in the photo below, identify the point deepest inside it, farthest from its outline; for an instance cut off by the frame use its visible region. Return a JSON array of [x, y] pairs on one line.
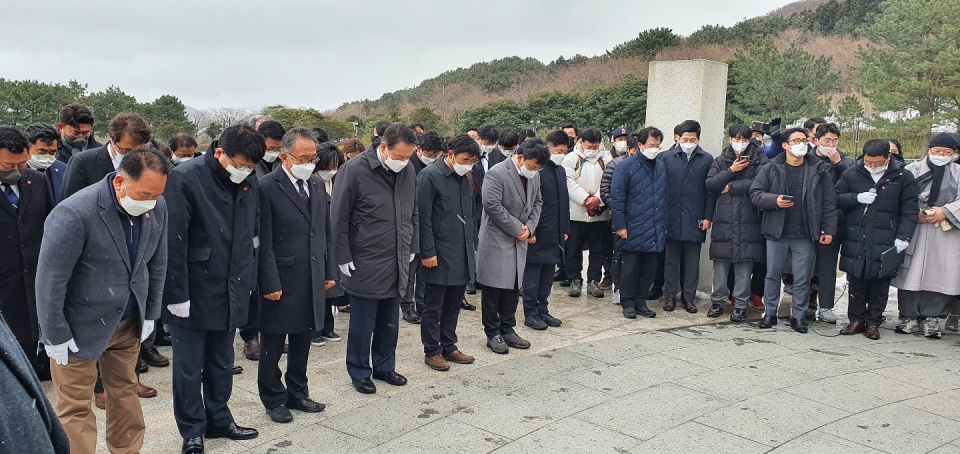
[[319, 53]]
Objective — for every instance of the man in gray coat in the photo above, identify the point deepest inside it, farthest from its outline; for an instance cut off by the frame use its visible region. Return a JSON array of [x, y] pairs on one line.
[[99, 284], [511, 212], [376, 229]]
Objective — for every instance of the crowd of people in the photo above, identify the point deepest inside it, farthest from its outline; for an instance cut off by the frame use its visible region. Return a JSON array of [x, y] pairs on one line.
[[113, 249]]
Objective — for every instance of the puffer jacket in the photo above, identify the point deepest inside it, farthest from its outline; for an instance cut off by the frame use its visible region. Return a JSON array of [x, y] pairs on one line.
[[639, 204], [735, 235], [608, 178], [819, 197], [872, 229], [583, 180]]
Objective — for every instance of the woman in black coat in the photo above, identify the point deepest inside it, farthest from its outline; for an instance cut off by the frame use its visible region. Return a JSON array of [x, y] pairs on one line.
[[735, 241]]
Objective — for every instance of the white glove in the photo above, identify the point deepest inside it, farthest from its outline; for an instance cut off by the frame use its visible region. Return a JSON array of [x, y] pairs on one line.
[[901, 245], [412, 256], [181, 310], [147, 329], [866, 198], [59, 352], [346, 267]]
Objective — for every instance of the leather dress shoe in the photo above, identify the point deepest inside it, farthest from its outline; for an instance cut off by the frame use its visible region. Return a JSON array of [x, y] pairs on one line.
[[251, 349], [467, 306], [364, 386], [391, 378], [471, 289], [689, 307], [458, 357], [306, 406], [644, 311], [237, 370], [550, 320], [768, 321], [153, 358], [280, 414], [852, 328], [873, 332], [100, 400], [142, 366], [164, 341], [670, 305], [514, 341], [192, 446], [629, 313], [145, 392], [411, 316], [233, 432], [799, 325]]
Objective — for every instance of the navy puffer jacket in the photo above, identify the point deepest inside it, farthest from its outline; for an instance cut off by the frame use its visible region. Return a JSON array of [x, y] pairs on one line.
[[638, 197]]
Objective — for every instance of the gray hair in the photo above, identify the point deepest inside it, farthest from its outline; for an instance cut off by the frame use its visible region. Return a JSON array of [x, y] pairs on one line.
[[254, 120], [295, 134]]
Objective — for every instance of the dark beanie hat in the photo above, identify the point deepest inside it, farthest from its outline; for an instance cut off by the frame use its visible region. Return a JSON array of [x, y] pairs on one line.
[[945, 140]]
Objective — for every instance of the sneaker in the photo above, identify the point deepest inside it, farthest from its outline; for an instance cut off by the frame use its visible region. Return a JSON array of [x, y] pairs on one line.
[[331, 336], [551, 321], [497, 345], [576, 286], [757, 302], [593, 289], [514, 341], [827, 315], [953, 320], [616, 297], [931, 328], [317, 340], [535, 322], [606, 283], [908, 326], [738, 315], [716, 310]]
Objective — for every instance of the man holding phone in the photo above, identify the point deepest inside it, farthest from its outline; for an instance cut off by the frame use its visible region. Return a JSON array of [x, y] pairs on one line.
[[795, 192]]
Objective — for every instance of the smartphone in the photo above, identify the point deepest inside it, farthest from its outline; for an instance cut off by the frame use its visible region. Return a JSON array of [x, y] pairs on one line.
[[788, 198]]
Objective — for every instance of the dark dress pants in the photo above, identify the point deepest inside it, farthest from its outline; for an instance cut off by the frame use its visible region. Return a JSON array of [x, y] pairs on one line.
[[328, 320], [377, 320], [202, 379], [660, 279], [537, 284], [636, 275], [499, 310], [272, 392], [868, 299], [249, 331], [441, 311], [591, 234], [414, 296]]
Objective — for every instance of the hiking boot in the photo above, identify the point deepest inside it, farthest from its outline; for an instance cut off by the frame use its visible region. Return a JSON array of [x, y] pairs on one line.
[[551, 321], [576, 286], [716, 310], [458, 357], [827, 315], [436, 363], [497, 345], [908, 326], [738, 315], [514, 341], [931, 328], [593, 289]]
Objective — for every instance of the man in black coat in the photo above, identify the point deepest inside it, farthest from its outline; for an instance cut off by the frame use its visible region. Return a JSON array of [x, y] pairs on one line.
[[29, 423], [296, 267], [447, 245], [490, 155], [272, 133], [547, 251], [23, 209], [42, 140], [881, 203], [212, 270], [127, 131], [429, 147], [75, 131], [376, 226], [796, 194]]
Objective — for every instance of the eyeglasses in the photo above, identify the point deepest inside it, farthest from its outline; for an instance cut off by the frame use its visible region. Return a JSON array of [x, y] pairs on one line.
[[798, 141], [302, 161], [9, 167], [120, 150], [942, 152], [250, 168], [829, 142]]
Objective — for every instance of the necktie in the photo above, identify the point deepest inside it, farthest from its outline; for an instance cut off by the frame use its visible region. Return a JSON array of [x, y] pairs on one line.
[[11, 196], [303, 192]]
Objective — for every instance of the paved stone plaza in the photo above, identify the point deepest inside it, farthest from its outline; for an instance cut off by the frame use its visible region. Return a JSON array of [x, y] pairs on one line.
[[601, 383]]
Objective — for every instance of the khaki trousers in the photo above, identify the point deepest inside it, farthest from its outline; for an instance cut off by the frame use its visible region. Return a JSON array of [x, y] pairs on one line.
[[73, 385]]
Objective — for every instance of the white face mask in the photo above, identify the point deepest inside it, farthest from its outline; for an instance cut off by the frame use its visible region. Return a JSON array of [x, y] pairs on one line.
[[591, 154], [557, 158], [302, 171], [799, 150], [396, 165], [238, 175], [688, 147], [878, 170], [527, 172], [462, 169], [508, 153], [940, 161], [486, 149], [621, 146], [42, 161], [738, 147], [136, 207], [651, 153], [271, 156], [426, 160], [326, 175], [179, 160]]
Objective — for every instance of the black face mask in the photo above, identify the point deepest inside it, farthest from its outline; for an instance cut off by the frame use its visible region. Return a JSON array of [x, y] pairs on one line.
[[75, 142], [571, 141], [10, 177]]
